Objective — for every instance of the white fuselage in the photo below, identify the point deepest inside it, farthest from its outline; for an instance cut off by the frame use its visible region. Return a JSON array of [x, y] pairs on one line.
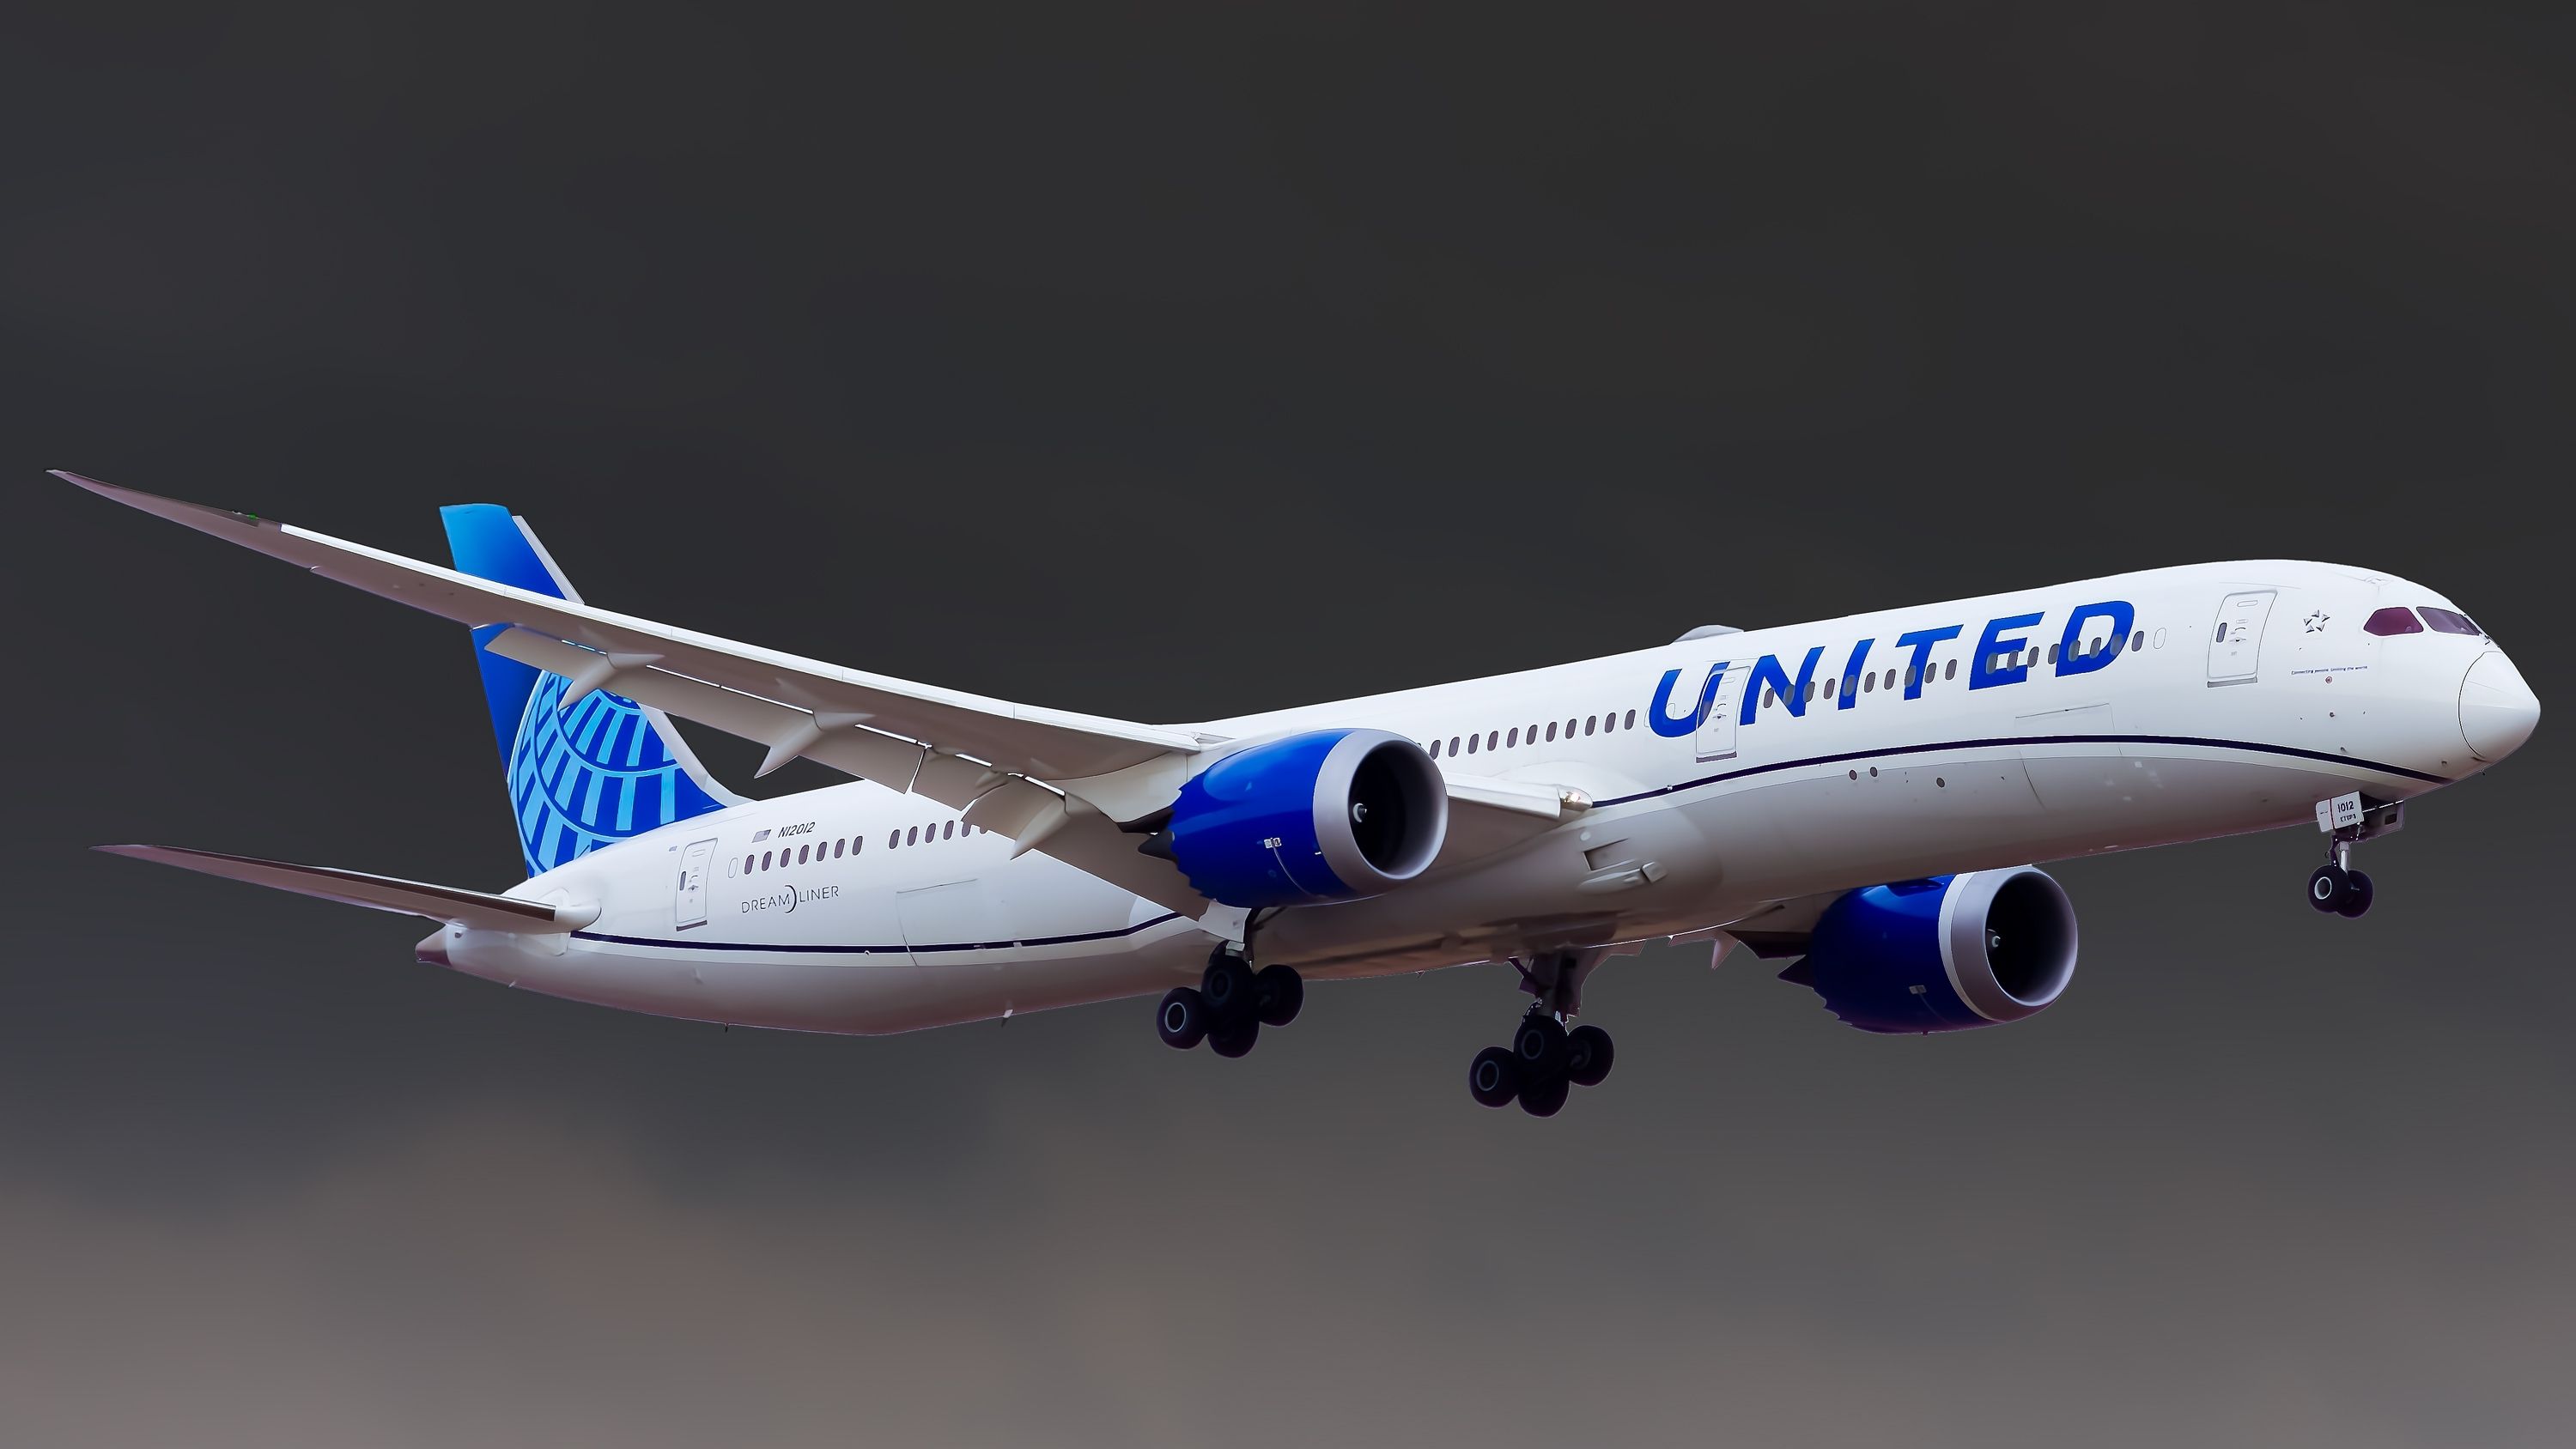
[[859, 909]]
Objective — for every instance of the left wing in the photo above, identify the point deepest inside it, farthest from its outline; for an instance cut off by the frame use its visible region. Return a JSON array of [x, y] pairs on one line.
[[984, 756]]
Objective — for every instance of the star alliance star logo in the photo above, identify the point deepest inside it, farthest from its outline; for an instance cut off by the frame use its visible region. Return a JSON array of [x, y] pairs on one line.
[[2316, 622]]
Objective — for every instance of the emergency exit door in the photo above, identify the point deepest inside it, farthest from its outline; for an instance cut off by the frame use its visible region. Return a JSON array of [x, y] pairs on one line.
[[1715, 737], [690, 902], [2236, 639]]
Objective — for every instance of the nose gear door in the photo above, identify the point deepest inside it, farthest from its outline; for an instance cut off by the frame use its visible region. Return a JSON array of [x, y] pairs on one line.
[[689, 906], [2236, 639]]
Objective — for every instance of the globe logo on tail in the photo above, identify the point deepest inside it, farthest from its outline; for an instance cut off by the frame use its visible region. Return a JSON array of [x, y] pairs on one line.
[[592, 775]]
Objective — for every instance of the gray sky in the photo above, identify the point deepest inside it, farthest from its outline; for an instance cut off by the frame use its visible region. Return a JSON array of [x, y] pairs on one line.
[[1169, 366]]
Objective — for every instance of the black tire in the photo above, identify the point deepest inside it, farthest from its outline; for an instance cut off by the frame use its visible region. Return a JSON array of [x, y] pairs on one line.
[[1547, 1098], [1278, 994], [1234, 1041], [1540, 1045], [1182, 1019], [2327, 887], [1228, 989], [1494, 1078], [2356, 895], [1587, 1056]]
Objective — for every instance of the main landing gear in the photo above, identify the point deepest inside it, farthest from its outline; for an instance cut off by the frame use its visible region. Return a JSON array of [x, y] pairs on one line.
[[1230, 1005], [1545, 1060]]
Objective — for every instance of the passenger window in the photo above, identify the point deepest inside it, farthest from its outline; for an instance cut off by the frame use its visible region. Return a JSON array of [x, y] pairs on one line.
[[1869, 682], [1589, 721], [750, 863], [764, 859], [912, 836], [1551, 731], [1471, 744], [2052, 654], [1913, 676], [1512, 741], [1951, 671], [2446, 621], [1632, 720], [2138, 641], [1770, 696], [948, 831], [1433, 749], [1829, 687], [2392, 621], [858, 843], [803, 852], [1453, 744], [1493, 738]]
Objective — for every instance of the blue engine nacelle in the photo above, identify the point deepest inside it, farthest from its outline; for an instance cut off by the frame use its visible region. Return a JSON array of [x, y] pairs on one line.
[[1944, 954], [1328, 816]]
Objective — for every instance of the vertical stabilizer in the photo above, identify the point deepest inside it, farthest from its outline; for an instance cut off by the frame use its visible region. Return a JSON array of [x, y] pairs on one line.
[[602, 771]]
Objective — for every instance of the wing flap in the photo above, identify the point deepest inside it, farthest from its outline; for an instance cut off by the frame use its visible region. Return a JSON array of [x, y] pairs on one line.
[[480, 909]]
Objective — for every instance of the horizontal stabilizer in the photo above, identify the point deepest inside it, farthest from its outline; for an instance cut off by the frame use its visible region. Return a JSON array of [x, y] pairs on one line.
[[479, 909]]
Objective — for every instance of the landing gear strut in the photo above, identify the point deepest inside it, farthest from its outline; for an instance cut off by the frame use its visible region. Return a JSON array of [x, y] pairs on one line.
[[1230, 1005], [1545, 1060]]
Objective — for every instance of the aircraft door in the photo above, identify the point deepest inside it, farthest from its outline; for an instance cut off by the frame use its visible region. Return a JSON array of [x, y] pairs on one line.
[[1715, 737], [941, 920], [689, 906], [2236, 639]]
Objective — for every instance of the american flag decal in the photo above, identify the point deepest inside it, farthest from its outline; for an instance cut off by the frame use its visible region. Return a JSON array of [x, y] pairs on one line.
[[758, 836]]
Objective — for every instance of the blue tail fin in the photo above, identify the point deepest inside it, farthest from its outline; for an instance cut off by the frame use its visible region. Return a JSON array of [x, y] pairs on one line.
[[602, 771]]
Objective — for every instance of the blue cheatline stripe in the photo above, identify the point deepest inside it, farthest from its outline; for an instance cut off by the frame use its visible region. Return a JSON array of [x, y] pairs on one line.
[[880, 950], [2016, 741]]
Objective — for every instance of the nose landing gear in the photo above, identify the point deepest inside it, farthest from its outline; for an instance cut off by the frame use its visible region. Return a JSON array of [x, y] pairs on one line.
[[2347, 820], [1230, 1005], [2339, 889], [1545, 1060]]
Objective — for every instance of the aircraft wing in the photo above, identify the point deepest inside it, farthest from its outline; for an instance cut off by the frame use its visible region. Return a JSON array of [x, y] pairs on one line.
[[966, 751], [1046, 744]]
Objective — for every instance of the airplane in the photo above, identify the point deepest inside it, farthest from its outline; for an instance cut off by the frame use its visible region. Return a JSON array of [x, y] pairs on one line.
[[1861, 797]]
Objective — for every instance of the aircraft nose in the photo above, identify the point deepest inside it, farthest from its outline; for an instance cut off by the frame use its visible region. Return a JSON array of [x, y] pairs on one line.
[[2497, 710]]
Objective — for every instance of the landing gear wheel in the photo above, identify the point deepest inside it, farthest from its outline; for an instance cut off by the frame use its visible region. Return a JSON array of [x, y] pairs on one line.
[[2356, 894], [1587, 1056], [1228, 989], [1494, 1078], [1544, 1098], [2328, 887], [1277, 994], [1182, 1019], [1540, 1045], [1234, 1041]]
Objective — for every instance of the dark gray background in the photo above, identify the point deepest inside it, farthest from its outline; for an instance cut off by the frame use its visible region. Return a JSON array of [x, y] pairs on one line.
[[1168, 366]]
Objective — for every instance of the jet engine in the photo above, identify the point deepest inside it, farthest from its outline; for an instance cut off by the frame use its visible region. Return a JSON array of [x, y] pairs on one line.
[[1943, 954], [1329, 816]]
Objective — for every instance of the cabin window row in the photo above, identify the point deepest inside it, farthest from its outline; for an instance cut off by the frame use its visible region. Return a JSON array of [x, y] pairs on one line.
[[835, 849], [1874, 680], [1519, 735]]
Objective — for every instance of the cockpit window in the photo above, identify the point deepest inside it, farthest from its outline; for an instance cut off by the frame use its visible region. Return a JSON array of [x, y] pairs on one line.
[[2392, 621], [2447, 621]]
